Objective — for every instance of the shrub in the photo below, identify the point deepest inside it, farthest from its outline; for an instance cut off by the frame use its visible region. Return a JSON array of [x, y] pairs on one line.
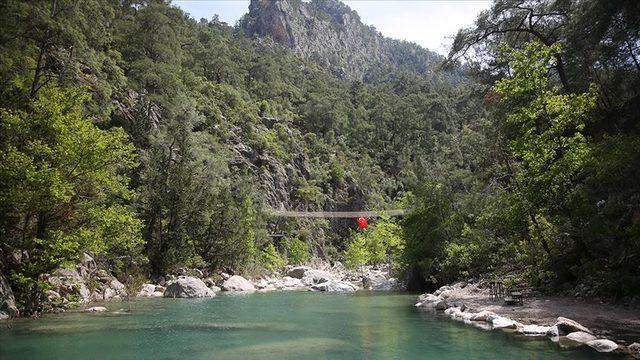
[[380, 243], [297, 251], [270, 259]]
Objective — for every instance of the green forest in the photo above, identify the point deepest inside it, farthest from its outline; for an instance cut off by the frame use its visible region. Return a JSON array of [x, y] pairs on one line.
[[154, 141]]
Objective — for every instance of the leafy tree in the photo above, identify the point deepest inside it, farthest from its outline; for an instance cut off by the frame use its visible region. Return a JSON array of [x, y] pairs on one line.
[[545, 132], [271, 259], [297, 251], [380, 243], [65, 190]]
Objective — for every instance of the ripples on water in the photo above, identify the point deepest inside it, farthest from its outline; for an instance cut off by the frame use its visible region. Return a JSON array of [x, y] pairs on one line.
[[291, 325]]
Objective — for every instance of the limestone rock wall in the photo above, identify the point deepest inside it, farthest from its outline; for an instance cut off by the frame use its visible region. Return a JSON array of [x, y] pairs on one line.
[[329, 32]]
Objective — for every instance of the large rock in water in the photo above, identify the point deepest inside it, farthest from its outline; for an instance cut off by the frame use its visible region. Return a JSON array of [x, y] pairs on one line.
[[535, 330], [96, 309], [187, 287], [634, 348], [581, 337], [7, 301], [378, 282], [483, 315], [500, 322], [335, 286], [566, 326], [238, 283], [603, 345], [147, 290], [427, 300]]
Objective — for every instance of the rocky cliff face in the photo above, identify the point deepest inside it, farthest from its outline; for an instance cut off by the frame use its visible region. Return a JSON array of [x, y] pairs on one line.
[[331, 33], [7, 301]]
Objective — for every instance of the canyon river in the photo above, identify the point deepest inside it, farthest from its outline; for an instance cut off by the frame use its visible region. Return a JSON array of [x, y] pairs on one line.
[[284, 325]]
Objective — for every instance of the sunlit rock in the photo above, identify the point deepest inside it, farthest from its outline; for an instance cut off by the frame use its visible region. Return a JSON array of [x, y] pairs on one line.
[[603, 345], [237, 283], [188, 287], [566, 326], [580, 337]]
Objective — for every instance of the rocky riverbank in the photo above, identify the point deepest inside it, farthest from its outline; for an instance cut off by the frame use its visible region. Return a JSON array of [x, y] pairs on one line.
[[603, 327], [86, 285], [292, 278]]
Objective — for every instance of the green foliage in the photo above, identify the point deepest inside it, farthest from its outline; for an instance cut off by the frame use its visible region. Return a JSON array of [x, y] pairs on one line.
[[270, 259], [545, 127], [297, 250], [357, 253], [380, 243], [430, 226], [64, 188]]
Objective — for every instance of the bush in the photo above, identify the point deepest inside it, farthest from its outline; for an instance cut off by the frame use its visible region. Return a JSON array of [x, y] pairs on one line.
[[380, 243], [297, 251], [270, 259]]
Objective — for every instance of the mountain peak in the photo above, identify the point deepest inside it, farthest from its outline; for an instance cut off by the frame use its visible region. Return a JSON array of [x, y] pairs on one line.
[[331, 33]]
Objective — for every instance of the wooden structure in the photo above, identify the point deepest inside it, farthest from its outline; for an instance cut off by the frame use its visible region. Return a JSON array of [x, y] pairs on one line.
[[514, 298], [336, 214]]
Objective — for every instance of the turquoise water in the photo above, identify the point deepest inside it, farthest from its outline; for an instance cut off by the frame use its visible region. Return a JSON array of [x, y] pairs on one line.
[[292, 325]]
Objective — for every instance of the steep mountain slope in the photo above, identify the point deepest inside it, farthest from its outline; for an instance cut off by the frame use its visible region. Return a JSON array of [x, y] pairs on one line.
[[329, 32]]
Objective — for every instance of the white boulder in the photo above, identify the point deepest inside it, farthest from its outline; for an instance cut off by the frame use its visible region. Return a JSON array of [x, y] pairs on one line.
[[96, 309], [566, 326], [503, 323], [378, 282], [580, 337], [187, 287], [483, 315], [603, 345], [116, 285], [237, 283], [553, 331], [313, 276], [427, 300], [535, 330], [147, 290], [335, 286]]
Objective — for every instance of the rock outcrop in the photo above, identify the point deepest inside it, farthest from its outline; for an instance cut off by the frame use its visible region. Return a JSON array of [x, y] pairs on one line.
[[237, 283], [187, 287], [96, 309], [329, 32], [84, 283], [634, 348], [566, 326], [7, 301], [314, 276], [151, 290], [580, 337], [535, 330], [603, 345], [335, 286], [379, 282], [298, 271]]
